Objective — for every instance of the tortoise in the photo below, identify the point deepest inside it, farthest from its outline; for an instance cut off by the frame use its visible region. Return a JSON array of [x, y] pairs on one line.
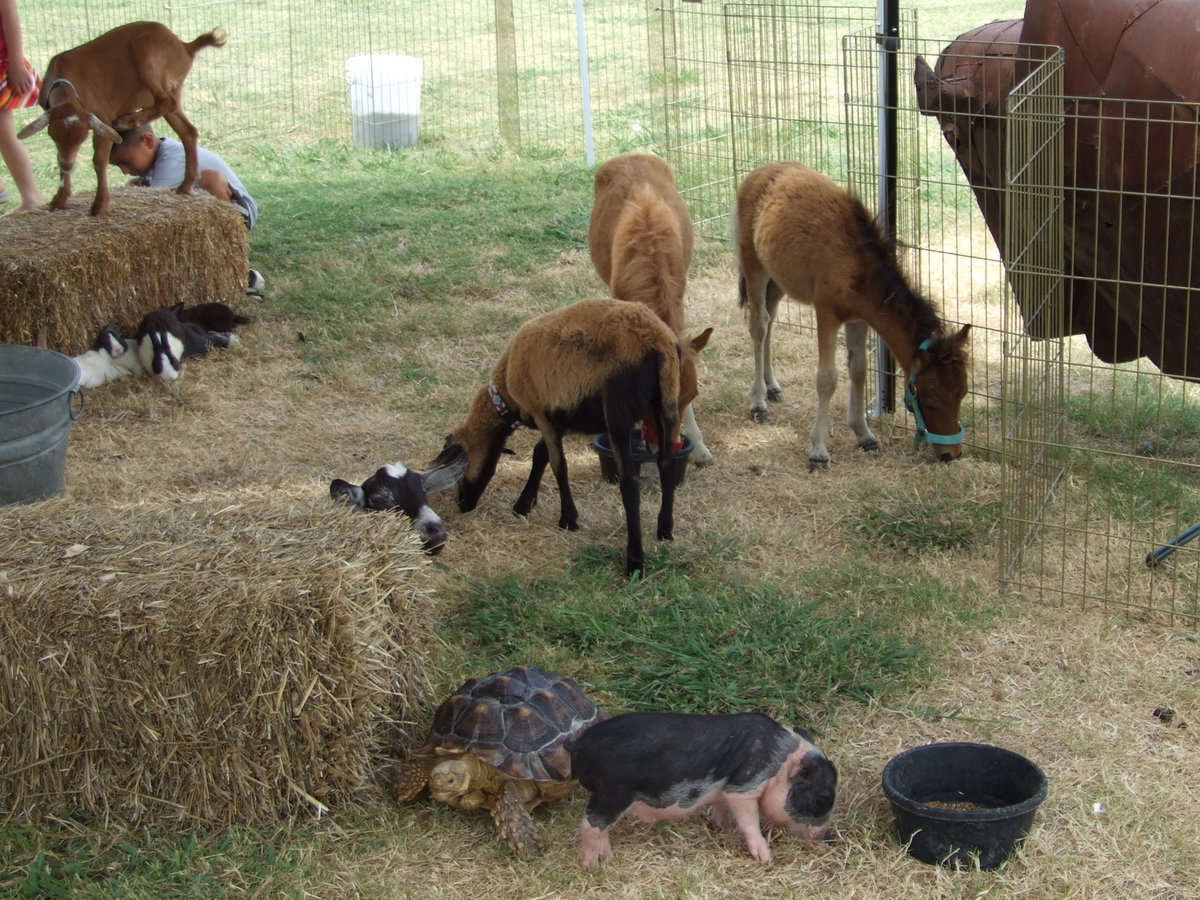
[[497, 744]]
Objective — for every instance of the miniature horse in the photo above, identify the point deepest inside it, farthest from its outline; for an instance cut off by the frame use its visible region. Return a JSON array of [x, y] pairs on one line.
[[640, 240], [595, 366], [797, 233]]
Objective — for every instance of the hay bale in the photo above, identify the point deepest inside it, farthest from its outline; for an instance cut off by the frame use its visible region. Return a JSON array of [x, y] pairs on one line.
[[69, 273], [205, 663]]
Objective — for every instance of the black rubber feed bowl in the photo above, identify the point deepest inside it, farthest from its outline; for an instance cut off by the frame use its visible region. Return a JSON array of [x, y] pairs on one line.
[[955, 802], [642, 453]]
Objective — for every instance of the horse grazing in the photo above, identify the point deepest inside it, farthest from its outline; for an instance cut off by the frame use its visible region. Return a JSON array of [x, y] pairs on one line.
[[595, 366], [640, 240], [797, 233]]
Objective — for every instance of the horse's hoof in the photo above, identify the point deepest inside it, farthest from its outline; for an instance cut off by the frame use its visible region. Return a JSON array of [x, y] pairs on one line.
[[759, 415], [775, 394]]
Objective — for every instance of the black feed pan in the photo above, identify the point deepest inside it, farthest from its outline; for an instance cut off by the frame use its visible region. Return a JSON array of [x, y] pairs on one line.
[[642, 453], [955, 802]]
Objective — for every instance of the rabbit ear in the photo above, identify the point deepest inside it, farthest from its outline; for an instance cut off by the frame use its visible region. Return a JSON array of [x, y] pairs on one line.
[[350, 494]]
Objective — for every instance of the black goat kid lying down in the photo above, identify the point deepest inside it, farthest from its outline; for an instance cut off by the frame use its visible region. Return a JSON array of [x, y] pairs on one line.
[[168, 336], [398, 487]]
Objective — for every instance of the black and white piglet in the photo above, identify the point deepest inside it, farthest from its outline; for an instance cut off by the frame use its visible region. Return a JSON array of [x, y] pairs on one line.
[[660, 766], [398, 487]]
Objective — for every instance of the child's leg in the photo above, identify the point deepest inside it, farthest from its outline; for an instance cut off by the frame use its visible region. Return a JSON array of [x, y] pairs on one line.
[[16, 157]]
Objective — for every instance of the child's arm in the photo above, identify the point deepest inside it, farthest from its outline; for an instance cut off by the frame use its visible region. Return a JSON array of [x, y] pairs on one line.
[[19, 78]]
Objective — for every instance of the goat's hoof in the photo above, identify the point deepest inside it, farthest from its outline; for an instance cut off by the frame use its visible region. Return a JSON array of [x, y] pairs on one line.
[[818, 465], [568, 524], [870, 446], [759, 415], [633, 570], [775, 394]]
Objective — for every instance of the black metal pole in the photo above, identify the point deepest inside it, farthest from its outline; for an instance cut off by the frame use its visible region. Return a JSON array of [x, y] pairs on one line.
[[887, 35]]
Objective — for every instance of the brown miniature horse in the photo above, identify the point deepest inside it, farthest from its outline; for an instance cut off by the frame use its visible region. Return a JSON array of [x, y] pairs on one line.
[[598, 365], [640, 240], [797, 233]]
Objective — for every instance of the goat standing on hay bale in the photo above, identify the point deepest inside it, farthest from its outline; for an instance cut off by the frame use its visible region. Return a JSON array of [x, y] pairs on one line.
[[797, 233], [598, 365], [124, 78], [640, 240]]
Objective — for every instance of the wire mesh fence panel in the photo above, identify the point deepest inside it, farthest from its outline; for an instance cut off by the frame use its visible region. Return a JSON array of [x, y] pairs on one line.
[[1033, 310], [485, 76], [749, 83], [953, 204], [1120, 532]]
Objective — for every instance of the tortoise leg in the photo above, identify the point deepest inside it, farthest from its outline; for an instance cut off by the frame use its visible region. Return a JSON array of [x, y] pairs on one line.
[[515, 824], [408, 779]]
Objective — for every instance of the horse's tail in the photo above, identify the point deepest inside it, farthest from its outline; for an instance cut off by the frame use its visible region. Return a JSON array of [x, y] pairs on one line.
[[743, 295]]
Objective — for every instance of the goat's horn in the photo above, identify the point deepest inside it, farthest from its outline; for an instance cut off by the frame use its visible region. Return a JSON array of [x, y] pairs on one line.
[[35, 126], [105, 131]]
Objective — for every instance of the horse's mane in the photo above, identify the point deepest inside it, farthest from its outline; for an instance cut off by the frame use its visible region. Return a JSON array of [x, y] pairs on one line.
[[881, 251]]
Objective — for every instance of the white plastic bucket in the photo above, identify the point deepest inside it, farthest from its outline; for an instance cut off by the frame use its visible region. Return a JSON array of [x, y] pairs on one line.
[[385, 99]]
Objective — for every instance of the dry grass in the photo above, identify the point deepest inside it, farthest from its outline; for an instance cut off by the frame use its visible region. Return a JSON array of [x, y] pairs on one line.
[[66, 273], [1073, 689]]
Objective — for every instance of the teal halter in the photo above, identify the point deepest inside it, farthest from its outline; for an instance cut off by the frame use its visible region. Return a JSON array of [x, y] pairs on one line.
[[910, 403]]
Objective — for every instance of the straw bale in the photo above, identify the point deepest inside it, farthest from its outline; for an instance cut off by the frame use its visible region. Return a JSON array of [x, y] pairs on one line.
[[69, 273], [205, 663]]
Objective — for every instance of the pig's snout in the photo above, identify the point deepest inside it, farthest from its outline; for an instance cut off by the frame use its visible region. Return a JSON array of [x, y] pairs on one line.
[[814, 833]]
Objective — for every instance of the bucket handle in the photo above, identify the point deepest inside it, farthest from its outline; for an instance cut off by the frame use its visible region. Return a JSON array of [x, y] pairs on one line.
[[75, 414]]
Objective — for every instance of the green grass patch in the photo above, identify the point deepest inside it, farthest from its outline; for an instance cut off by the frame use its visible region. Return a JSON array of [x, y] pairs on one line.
[[378, 232], [695, 637], [1143, 413], [1133, 489], [56, 861], [924, 525]]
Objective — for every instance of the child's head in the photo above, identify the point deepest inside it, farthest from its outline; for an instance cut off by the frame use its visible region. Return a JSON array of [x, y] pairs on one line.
[[135, 154]]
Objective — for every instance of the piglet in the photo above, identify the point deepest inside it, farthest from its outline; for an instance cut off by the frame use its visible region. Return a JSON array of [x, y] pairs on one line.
[[669, 765]]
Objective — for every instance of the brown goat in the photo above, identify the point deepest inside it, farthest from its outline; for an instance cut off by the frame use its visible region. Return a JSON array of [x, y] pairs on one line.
[[597, 365], [124, 78], [640, 240]]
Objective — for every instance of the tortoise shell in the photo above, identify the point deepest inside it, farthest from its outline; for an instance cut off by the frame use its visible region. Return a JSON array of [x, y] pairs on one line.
[[516, 721]]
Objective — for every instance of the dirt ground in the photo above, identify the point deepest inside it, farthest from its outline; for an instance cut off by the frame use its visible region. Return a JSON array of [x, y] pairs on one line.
[[1073, 689]]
